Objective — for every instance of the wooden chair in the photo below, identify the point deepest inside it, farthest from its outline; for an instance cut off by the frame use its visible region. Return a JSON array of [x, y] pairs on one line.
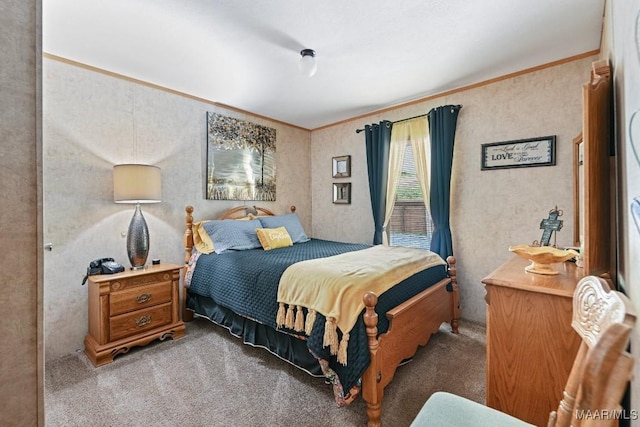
[[599, 376]]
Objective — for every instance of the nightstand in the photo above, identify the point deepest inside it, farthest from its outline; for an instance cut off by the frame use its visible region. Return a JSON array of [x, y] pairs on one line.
[[131, 309]]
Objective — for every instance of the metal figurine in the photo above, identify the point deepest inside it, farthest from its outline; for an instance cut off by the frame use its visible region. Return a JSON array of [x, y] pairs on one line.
[[549, 225]]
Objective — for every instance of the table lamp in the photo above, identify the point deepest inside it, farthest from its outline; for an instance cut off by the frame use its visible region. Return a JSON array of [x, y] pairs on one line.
[[134, 183]]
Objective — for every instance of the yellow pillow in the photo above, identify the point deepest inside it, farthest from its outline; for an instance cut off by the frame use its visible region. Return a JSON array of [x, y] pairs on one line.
[[272, 238], [201, 239]]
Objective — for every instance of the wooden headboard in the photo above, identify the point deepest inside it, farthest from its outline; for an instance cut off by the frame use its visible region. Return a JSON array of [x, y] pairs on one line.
[[245, 211]]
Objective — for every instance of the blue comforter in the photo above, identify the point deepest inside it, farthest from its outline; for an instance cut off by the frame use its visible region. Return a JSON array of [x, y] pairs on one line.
[[247, 283]]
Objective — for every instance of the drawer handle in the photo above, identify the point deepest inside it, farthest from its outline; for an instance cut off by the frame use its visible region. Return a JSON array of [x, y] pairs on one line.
[[143, 320], [142, 298]]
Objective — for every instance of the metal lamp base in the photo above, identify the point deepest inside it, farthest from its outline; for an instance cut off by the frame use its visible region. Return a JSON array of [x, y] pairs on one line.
[[138, 240]]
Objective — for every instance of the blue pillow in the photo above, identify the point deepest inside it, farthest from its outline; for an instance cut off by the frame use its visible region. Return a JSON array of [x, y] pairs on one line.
[[234, 234], [291, 222]]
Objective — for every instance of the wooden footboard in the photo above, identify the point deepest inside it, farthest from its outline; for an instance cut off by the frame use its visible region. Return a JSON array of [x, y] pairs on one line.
[[411, 325]]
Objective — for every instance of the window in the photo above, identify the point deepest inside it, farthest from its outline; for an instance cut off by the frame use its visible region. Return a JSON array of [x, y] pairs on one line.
[[410, 223]]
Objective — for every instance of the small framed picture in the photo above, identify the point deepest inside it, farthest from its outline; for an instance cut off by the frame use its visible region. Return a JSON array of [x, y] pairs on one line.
[[342, 167], [342, 193]]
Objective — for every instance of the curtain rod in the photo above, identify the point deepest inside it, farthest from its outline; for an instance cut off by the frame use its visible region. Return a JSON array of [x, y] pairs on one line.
[[398, 121], [414, 117]]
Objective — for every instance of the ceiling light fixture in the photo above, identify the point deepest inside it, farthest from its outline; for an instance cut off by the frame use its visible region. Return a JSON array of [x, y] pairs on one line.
[[308, 64]]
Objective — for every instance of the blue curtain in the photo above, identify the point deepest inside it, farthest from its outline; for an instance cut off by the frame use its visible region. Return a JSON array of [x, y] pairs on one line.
[[378, 140], [442, 130]]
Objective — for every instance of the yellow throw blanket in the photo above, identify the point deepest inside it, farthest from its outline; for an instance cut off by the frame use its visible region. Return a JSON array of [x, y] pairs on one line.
[[334, 286]]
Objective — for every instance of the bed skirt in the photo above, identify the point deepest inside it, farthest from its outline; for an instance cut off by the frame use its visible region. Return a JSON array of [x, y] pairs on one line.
[[284, 346]]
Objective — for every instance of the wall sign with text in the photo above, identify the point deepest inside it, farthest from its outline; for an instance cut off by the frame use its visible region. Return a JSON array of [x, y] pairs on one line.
[[520, 153]]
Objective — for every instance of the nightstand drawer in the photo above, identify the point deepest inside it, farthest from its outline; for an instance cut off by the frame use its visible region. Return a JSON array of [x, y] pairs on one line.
[[139, 297], [138, 321]]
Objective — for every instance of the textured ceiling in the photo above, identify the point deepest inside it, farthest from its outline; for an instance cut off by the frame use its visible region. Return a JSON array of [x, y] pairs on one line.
[[371, 54]]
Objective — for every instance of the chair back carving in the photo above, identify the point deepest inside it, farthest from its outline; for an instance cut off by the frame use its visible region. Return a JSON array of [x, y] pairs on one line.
[[604, 320], [595, 309]]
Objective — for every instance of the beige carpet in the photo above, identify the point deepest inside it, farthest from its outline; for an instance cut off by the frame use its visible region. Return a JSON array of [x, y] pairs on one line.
[[209, 378]]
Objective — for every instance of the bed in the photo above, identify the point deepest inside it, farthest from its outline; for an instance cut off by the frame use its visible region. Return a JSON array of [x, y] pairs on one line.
[[241, 288]]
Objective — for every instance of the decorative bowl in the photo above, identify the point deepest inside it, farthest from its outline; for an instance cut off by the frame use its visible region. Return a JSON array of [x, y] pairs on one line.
[[542, 256]]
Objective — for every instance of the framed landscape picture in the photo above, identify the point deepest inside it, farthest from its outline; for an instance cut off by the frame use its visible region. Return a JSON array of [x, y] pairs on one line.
[[241, 160]]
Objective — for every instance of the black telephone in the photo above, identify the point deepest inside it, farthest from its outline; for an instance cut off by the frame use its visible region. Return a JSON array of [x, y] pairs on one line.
[[102, 266]]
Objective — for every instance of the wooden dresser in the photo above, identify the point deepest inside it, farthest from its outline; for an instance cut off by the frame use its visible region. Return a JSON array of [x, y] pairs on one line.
[[132, 308], [530, 342]]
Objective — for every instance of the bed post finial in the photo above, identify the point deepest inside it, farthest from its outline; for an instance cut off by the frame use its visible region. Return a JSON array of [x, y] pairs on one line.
[[292, 208]]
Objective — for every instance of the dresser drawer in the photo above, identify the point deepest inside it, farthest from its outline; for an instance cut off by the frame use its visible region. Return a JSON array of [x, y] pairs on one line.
[[139, 297], [138, 321]]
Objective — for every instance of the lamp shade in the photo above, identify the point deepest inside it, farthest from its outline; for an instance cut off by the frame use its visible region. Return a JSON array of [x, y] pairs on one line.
[[134, 183]]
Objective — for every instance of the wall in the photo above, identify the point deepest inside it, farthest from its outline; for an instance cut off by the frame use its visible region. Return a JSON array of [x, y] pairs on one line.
[[93, 120], [21, 368], [622, 47], [491, 210]]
